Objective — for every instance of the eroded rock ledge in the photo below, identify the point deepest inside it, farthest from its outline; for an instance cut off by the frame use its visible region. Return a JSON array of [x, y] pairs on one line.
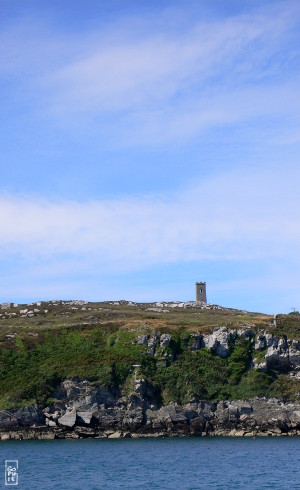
[[86, 410], [279, 354]]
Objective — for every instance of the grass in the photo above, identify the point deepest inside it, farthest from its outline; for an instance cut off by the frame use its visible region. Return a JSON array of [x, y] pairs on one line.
[[98, 343], [288, 325]]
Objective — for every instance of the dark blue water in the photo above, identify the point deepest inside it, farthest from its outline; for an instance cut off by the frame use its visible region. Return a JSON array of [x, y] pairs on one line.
[[232, 463]]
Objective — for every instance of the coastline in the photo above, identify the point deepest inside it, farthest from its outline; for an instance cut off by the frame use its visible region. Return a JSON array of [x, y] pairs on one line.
[[46, 434], [86, 410]]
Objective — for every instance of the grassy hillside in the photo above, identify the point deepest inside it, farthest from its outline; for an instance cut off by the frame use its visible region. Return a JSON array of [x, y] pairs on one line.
[[44, 343]]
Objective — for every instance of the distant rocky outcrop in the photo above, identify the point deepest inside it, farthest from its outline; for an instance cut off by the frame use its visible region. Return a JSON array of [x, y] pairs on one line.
[[85, 410], [281, 354], [81, 408]]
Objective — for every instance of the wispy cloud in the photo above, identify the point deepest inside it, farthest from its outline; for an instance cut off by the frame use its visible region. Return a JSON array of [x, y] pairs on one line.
[[151, 68], [233, 216], [135, 82], [221, 86]]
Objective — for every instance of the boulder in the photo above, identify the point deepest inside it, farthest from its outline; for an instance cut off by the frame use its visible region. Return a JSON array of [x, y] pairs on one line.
[[85, 417], [133, 419], [245, 332], [294, 355], [110, 418], [245, 408], [5, 436], [197, 425], [69, 419], [260, 342], [218, 341], [233, 410], [7, 419], [278, 358], [165, 340], [115, 435], [152, 344], [150, 415], [172, 413], [295, 344], [82, 395], [196, 343], [142, 339], [295, 418], [269, 339], [22, 417]]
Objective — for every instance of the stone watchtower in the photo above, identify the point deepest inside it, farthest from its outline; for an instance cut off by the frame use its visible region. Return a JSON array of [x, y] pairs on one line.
[[201, 292]]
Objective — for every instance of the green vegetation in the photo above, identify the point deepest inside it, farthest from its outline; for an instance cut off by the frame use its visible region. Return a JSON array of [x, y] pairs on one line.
[[192, 375], [288, 325], [30, 371], [98, 343], [65, 315], [260, 355]]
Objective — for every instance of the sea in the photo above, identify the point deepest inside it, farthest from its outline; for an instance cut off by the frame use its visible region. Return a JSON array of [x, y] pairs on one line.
[[174, 463]]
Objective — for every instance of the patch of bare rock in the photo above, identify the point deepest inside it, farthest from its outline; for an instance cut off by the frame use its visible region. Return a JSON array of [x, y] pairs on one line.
[[280, 354], [84, 410]]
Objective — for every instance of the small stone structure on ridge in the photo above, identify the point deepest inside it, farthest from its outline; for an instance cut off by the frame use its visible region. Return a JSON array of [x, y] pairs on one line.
[[201, 292]]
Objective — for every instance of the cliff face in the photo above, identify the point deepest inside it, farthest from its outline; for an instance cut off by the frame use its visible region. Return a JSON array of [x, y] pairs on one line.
[[279, 353], [84, 410], [132, 370]]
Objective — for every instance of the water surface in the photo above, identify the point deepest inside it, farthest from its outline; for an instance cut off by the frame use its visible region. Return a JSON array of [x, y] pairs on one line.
[[195, 463]]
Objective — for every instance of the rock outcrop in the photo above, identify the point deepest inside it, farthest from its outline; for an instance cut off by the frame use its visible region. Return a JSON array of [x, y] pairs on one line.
[[219, 341], [280, 354], [22, 417], [86, 410]]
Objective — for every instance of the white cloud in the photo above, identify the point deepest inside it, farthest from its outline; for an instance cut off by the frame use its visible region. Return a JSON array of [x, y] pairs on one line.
[[234, 216], [137, 81], [117, 70]]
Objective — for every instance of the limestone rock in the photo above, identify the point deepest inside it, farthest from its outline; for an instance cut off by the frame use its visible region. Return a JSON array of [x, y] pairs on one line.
[[260, 366], [82, 396], [5, 436], [152, 344], [165, 340], [197, 342], [245, 332], [133, 419], [198, 424], [132, 415], [278, 357], [260, 342], [25, 417], [218, 341], [295, 418], [269, 339], [233, 410], [294, 355], [85, 417], [115, 435], [68, 420], [142, 339]]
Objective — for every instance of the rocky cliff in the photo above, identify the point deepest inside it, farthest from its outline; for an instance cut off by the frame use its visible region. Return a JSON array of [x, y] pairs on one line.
[[83, 409], [131, 370]]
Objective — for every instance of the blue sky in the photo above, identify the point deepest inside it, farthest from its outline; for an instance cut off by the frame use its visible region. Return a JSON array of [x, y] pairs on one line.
[[148, 145]]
